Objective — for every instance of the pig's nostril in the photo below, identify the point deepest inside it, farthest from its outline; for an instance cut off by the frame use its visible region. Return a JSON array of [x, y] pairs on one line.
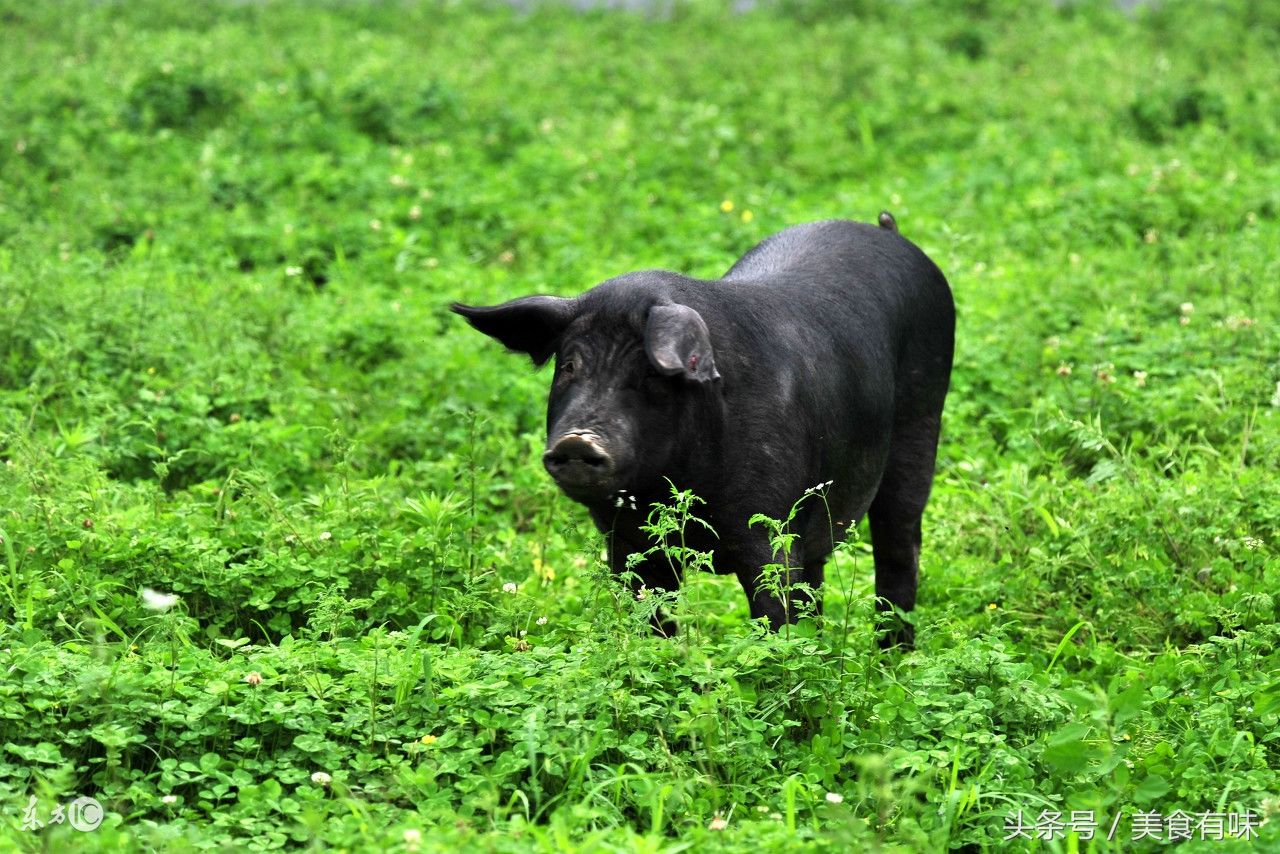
[[593, 459], [576, 452]]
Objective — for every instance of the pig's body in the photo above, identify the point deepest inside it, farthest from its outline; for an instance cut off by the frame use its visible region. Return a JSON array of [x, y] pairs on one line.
[[825, 357]]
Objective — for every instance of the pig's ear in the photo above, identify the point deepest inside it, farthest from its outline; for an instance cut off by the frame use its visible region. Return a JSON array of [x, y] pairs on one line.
[[677, 342], [531, 325]]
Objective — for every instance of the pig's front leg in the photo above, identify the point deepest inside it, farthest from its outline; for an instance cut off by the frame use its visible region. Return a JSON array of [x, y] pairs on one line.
[[653, 575], [776, 594]]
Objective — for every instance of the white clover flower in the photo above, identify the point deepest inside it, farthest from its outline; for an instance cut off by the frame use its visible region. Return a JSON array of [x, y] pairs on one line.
[[156, 601], [1186, 308], [169, 799], [835, 798], [321, 778], [1252, 543], [717, 823], [412, 837], [509, 587], [542, 621], [293, 271], [326, 535]]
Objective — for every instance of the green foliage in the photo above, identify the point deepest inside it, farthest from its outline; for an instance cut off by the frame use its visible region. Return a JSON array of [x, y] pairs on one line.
[[228, 236]]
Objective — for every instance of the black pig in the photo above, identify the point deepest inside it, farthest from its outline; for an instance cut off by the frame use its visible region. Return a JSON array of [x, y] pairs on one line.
[[822, 356]]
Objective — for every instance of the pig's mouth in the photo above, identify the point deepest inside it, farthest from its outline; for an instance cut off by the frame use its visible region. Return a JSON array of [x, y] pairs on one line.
[[580, 465]]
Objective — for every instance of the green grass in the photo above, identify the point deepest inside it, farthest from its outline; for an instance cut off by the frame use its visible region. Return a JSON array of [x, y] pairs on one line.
[[228, 237]]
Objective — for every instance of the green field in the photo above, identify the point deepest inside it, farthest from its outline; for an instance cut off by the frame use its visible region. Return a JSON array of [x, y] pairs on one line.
[[229, 234]]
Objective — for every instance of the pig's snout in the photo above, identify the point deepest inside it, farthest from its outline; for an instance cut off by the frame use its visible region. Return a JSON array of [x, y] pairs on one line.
[[579, 462]]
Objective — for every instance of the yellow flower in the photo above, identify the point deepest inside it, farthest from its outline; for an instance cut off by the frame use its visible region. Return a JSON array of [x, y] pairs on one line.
[[429, 739], [726, 205], [747, 216], [992, 606]]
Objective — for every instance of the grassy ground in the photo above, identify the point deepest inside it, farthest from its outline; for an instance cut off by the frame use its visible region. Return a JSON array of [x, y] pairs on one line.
[[228, 234]]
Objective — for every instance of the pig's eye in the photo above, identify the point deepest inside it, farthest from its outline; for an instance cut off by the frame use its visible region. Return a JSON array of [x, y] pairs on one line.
[[567, 368]]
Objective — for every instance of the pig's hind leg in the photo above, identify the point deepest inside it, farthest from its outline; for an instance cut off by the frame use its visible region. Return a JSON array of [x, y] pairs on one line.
[[895, 521]]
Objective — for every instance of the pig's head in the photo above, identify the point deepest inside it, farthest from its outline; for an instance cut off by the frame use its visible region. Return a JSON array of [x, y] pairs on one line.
[[634, 373]]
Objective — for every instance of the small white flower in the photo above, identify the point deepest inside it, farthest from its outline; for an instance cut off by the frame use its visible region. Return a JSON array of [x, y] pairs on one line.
[[524, 632], [293, 271], [413, 837], [542, 621], [717, 823], [321, 778], [835, 798], [169, 799], [1186, 308], [326, 535], [157, 601], [1252, 543], [509, 587]]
